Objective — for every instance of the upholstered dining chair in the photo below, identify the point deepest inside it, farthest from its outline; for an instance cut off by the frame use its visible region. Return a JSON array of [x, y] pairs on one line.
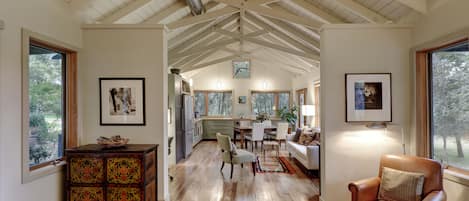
[[256, 136], [234, 156], [367, 189]]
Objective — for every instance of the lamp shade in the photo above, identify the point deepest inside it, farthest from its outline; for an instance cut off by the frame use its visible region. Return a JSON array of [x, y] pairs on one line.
[[308, 110]]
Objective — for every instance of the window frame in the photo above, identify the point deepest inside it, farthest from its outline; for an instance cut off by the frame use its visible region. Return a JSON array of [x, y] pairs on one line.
[[70, 117], [423, 83], [276, 99], [206, 92]]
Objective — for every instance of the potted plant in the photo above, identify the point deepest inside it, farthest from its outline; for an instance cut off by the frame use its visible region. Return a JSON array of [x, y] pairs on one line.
[[289, 115]]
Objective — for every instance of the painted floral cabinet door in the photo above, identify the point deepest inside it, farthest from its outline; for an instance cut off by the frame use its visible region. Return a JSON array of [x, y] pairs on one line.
[[124, 170]]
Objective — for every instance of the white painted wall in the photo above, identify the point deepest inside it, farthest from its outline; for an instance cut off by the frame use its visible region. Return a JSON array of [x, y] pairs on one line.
[[47, 17], [439, 26], [127, 51], [351, 152], [206, 79]]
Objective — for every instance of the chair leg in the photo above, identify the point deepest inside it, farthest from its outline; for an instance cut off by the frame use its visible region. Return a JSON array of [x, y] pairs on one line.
[[254, 168], [231, 174], [222, 165], [242, 165]]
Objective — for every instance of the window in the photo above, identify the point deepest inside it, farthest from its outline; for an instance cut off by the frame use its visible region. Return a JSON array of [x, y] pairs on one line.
[[269, 102], [213, 103], [449, 104], [49, 104], [46, 105]]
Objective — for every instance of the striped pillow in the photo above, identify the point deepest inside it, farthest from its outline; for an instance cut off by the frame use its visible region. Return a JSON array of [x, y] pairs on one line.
[[399, 185]]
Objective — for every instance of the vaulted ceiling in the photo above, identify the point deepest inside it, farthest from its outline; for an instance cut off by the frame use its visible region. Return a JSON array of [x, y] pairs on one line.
[[277, 33]]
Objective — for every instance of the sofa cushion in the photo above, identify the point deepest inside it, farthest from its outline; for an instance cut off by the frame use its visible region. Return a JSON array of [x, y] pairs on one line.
[[306, 138], [400, 185]]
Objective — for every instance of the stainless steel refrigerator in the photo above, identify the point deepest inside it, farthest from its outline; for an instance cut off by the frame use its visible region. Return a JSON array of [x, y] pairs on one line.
[[188, 124]]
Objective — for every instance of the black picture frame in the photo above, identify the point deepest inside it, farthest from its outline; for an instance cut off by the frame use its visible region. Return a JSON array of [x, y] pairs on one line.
[[135, 83], [378, 108]]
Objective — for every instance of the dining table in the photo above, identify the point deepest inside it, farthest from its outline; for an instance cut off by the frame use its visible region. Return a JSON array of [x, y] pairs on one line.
[[243, 130]]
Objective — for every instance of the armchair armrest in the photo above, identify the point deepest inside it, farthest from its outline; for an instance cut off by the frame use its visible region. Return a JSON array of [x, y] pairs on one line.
[[365, 190], [435, 196]]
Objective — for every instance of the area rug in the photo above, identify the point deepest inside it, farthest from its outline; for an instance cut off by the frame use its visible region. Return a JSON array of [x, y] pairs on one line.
[[273, 164]]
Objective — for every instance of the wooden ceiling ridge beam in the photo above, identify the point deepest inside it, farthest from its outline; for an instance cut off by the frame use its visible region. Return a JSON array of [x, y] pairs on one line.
[[203, 18], [364, 12], [209, 63], [272, 12], [124, 11], [319, 13], [286, 38], [418, 5], [196, 38], [236, 35]]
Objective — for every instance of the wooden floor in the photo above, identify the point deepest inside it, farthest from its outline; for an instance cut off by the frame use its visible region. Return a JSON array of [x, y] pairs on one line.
[[199, 179]]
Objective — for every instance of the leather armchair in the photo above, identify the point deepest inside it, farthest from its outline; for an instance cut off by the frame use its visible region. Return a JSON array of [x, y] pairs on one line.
[[367, 189]]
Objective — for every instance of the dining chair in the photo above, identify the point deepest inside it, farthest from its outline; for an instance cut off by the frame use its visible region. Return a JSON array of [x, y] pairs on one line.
[[234, 156], [282, 132], [257, 135]]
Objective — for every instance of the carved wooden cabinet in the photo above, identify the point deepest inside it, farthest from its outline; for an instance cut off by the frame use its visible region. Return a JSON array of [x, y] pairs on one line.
[[120, 174]]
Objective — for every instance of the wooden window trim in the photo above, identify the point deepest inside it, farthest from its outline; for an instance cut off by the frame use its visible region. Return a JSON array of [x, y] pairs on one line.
[[422, 82], [206, 92], [70, 101]]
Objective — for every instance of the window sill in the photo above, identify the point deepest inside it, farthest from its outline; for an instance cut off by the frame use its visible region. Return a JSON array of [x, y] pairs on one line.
[[31, 175], [456, 177]]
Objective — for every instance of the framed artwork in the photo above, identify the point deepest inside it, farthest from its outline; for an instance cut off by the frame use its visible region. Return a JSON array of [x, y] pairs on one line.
[[242, 99], [122, 101], [368, 97], [241, 69]]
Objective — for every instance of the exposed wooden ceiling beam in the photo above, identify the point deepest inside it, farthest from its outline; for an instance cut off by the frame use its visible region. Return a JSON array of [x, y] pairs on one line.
[[305, 37], [418, 5], [209, 39], [198, 37], [272, 12], [239, 35], [325, 17], [362, 11], [283, 49], [202, 18], [209, 63], [198, 49], [293, 43], [193, 59], [300, 61], [122, 12]]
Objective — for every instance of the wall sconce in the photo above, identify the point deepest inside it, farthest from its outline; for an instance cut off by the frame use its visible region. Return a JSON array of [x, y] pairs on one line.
[[264, 85], [219, 85], [376, 125]]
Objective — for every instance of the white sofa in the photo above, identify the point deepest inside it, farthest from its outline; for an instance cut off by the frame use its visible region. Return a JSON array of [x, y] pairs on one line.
[[306, 155]]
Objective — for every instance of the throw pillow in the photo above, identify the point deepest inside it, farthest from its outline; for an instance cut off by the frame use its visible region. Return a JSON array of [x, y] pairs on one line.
[[305, 138], [296, 137], [400, 185], [313, 143], [317, 136]]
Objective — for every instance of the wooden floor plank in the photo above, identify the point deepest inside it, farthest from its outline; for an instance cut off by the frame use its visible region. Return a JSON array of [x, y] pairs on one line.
[[199, 179]]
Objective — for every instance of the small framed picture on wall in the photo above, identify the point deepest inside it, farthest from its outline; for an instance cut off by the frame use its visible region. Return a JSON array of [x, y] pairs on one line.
[[122, 101], [368, 97]]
